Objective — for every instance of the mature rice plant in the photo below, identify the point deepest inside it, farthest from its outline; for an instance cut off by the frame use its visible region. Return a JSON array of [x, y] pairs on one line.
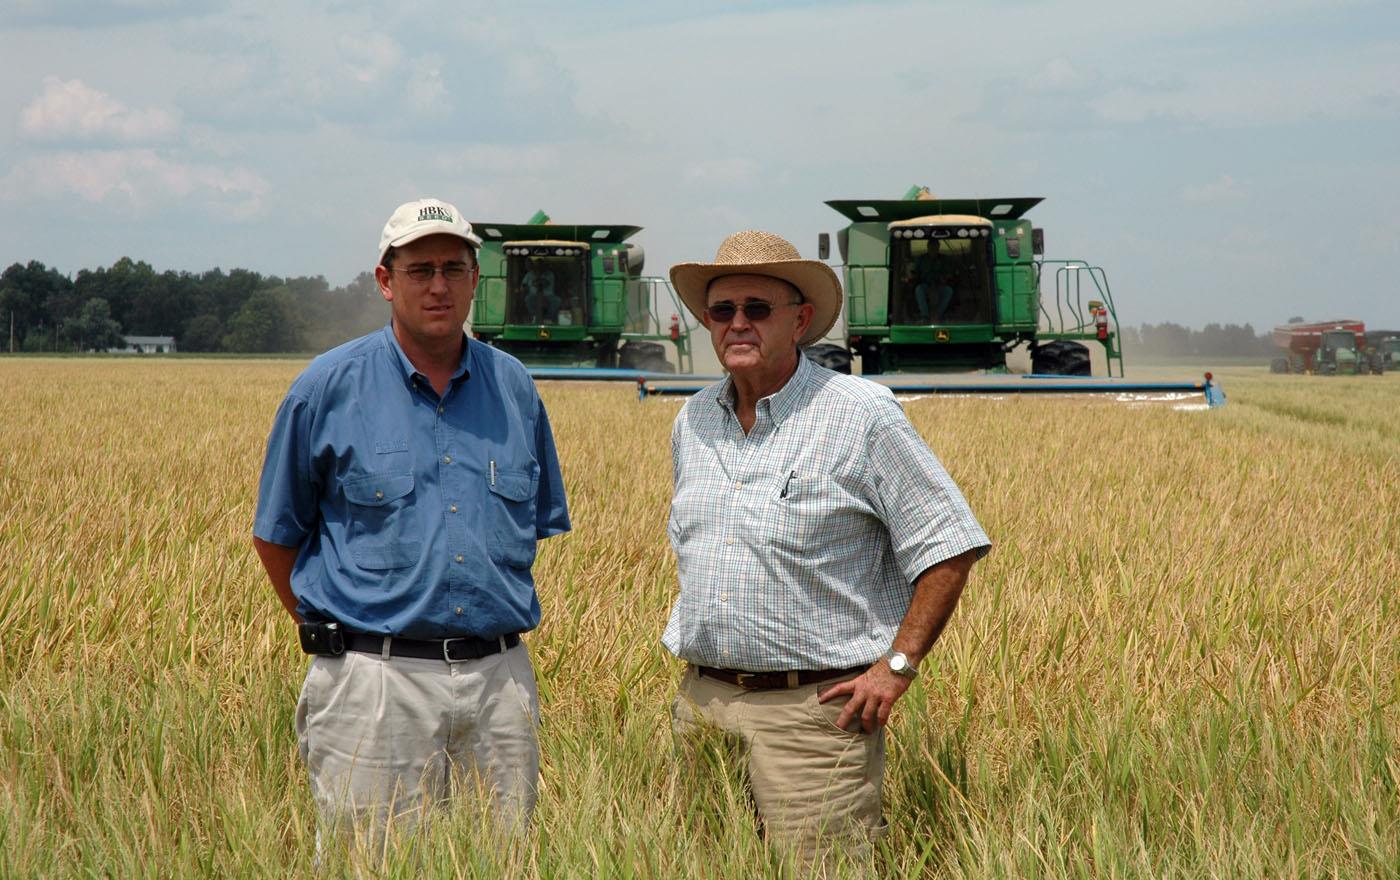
[[1182, 658]]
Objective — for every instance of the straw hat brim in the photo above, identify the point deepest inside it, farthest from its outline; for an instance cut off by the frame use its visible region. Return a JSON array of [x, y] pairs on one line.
[[815, 279]]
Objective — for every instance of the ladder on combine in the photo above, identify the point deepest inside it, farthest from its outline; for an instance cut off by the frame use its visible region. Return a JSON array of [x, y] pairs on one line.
[[1082, 307]]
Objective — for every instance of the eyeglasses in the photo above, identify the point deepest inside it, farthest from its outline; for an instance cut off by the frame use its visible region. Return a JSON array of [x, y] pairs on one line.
[[423, 273], [754, 310]]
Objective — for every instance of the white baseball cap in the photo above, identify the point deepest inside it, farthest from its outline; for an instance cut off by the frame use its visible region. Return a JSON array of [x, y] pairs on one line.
[[413, 220]]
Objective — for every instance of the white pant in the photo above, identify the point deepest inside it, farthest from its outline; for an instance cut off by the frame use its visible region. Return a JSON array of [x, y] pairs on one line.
[[385, 739]]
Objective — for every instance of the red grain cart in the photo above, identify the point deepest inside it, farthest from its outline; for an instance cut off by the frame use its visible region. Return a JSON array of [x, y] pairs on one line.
[[1338, 346]]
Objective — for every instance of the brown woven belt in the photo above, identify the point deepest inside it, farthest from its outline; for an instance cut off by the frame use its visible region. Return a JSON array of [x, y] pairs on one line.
[[762, 681]]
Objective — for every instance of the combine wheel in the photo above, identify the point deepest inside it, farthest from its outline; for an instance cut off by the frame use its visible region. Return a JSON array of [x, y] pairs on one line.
[[658, 364], [833, 357], [634, 355], [1278, 365], [1060, 358]]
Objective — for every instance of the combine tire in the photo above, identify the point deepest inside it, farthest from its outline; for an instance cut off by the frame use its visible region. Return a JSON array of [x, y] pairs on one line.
[[635, 355], [1278, 365], [1060, 358], [658, 364], [833, 357]]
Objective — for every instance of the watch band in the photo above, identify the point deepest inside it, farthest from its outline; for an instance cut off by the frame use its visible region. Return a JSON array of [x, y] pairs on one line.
[[899, 664]]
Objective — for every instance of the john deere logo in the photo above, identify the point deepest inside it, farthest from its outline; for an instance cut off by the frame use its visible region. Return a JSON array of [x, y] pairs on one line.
[[434, 212], [544, 332], [940, 336]]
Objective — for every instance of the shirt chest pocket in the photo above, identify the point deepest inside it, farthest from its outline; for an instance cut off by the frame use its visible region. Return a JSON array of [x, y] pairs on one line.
[[378, 506], [806, 513], [510, 516]]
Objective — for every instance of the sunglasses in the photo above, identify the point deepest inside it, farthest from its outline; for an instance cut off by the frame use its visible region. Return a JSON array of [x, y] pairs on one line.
[[754, 310]]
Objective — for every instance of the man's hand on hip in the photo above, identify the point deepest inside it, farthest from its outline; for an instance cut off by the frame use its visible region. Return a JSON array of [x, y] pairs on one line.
[[872, 696], [874, 692]]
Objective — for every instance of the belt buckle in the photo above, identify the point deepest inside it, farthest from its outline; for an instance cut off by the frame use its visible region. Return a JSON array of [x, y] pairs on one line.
[[447, 652], [743, 679]]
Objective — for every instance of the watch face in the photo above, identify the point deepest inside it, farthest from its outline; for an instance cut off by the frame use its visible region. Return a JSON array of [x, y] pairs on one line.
[[900, 664]]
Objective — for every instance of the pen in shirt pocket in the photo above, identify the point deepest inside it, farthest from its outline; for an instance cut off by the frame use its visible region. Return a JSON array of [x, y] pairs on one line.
[[788, 482]]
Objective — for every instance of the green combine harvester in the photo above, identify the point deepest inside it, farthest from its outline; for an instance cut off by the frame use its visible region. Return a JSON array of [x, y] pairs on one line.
[[953, 285], [938, 286], [571, 301]]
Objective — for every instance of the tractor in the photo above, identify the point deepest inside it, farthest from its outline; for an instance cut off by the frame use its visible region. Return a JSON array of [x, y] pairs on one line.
[[575, 296], [1386, 344], [1326, 347], [954, 285]]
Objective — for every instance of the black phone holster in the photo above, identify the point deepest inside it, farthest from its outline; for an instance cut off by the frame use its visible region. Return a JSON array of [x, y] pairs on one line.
[[322, 639]]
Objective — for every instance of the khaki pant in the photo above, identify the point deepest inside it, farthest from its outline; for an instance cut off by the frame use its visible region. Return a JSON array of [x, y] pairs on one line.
[[385, 739], [814, 785]]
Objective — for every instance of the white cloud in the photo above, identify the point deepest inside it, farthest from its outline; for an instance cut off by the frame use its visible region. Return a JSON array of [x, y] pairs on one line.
[[737, 171], [71, 109], [1222, 189], [1333, 84], [497, 160], [137, 178]]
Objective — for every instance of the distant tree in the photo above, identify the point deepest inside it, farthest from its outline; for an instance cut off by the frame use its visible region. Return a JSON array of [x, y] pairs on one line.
[[343, 313], [123, 286], [93, 328], [39, 338], [201, 333], [267, 322], [26, 292], [1297, 319], [1169, 339]]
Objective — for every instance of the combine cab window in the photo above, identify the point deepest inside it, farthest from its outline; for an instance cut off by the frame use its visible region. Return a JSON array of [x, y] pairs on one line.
[[547, 289], [942, 281]]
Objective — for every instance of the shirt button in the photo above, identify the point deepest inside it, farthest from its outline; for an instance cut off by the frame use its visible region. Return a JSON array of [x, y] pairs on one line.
[[725, 652], [724, 597], [378, 493], [459, 557], [738, 485], [453, 508], [729, 540], [459, 609], [440, 410], [447, 459]]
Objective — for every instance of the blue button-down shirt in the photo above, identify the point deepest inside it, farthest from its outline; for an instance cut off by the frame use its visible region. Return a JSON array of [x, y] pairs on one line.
[[798, 543], [415, 515]]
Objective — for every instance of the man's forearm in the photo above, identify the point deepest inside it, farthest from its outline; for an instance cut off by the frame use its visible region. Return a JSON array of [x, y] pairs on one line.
[[277, 561], [936, 594]]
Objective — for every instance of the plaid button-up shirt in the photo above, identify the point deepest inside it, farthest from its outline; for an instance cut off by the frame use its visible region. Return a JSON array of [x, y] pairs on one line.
[[799, 542]]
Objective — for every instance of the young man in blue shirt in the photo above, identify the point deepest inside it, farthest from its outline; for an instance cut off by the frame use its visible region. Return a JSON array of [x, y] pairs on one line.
[[408, 476]]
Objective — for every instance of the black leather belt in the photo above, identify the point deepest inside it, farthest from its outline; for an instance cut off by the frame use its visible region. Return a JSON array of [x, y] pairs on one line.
[[451, 650], [762, 681]]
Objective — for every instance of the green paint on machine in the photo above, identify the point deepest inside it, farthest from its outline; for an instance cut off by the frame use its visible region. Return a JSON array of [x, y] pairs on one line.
[[575, 296], [954, 285]]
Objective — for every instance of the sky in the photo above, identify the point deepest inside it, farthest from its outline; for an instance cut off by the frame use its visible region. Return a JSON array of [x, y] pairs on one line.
[[1223, 161]]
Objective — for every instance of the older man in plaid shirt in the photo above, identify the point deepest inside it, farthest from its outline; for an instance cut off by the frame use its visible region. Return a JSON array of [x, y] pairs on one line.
[[821, 549]]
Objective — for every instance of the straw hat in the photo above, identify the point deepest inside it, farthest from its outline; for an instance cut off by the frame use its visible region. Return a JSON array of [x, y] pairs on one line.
[[763, 253]]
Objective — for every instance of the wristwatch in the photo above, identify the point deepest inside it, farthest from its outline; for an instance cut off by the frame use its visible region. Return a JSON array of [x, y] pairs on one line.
[[900, 665]]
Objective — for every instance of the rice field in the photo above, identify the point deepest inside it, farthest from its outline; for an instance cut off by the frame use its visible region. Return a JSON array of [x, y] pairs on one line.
[[1182, 658]]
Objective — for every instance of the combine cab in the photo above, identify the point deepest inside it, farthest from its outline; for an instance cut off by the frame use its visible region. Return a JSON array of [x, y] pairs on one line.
[[953, 285], [1327, 347], [575, 296], [1390, 352], [1386, 344]]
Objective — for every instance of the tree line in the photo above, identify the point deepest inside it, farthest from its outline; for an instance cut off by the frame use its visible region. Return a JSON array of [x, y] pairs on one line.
[[213, 311], [244, 311], [1175, 340]]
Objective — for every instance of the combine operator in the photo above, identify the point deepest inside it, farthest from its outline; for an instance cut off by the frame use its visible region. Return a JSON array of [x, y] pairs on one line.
[[821, 549], [408, 476]]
